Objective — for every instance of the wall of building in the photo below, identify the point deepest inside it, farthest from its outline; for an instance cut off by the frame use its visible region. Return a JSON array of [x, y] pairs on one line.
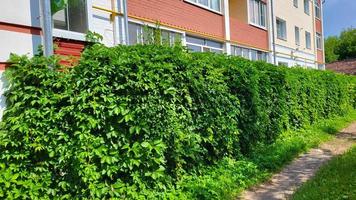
[[20, 33], [19, 27], [180, 14], [243, 33], [293, 16]]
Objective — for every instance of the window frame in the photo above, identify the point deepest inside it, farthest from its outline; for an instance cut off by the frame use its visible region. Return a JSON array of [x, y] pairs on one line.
[[259, 8], [317, 7], [307, 11], [205, 46], [283, 64], [67, 34], [259, 54], [319, 41], [306, 40], [140, 32], [285, 28], [196, 3], [297, 36]]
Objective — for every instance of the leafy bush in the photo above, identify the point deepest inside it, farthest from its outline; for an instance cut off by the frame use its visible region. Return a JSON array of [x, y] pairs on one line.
[[133, 122]]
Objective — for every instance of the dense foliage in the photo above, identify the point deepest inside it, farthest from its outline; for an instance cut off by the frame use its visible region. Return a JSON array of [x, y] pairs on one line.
[[132, 122], [341, 47]]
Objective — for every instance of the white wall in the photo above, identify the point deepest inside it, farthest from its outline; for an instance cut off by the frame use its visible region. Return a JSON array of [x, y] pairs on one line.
[[101, 21], [19, 43], [23, 12]]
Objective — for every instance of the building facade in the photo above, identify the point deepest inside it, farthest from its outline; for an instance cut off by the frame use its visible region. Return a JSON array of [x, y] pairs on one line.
[[283, 32]]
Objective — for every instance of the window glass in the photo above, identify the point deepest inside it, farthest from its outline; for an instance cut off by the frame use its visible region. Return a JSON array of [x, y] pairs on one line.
[[175, 38], [281, 29], [134, 31], [60, 20], [306, 7], [253, 54], [295, 3], [317, 9], [216, 50], [318, 41], [215, 5], [249, 53], [263, 15], [194, 48], [195, 40], [204, 2], [245, 53], [214, 44], [261, 56], [211, 4], [73, 17], [307, 40], [257, 10], [165, 37], [297, 35], [280, 63], [204, 44]]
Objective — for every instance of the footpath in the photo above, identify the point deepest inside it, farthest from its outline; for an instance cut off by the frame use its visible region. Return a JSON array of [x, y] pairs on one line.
[[282, 185]]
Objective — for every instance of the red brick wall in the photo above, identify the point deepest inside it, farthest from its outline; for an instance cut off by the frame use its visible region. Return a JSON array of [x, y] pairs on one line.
[[4, 65], [243, 33], [318, 26], [179, 13], [320, 55], [69, 49]]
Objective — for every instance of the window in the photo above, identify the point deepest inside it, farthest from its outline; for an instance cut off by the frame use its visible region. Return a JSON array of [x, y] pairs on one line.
[[214, 5], [248, 53], [281, 29], [317, 9], [307, 40], [203, 45], [295, 3], [257, 12], [139, 34], [134, 33], [318, 41], [297, 35], [73, 17], [306, 7], [280, 63]]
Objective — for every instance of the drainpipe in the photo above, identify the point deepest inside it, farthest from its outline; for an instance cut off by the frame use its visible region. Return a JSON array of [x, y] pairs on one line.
[[227, 27], [322, 30], [47, 27], [114, 21], [126, 23], [273, 35]]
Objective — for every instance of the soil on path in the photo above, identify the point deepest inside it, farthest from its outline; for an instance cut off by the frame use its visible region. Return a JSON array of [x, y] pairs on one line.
[[283, 184]]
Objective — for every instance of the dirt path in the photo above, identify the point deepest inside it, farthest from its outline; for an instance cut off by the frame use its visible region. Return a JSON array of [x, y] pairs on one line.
[[283, 184]]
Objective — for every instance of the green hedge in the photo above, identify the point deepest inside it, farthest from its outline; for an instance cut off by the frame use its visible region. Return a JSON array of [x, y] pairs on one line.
[[129, 122]]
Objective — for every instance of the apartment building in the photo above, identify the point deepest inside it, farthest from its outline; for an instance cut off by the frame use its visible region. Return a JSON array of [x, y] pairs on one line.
[[283, 32], [298, 36]]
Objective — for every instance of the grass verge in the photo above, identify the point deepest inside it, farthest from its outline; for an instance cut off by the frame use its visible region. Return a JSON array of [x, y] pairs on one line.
[[228, 178], [336, 180]]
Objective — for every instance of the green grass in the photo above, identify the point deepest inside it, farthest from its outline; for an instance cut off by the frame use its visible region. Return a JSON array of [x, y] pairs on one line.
[[336, 180], [231, 176]]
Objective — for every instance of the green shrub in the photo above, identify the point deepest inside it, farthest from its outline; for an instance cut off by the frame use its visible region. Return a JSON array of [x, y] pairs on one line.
[[132, 122]]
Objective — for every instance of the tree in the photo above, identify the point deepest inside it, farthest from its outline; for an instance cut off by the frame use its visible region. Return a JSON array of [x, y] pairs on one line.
[[347, 45], [331, 44], [341, 47]]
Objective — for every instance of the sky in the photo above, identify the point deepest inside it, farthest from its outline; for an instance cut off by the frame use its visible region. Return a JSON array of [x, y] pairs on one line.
[[338, 15]]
